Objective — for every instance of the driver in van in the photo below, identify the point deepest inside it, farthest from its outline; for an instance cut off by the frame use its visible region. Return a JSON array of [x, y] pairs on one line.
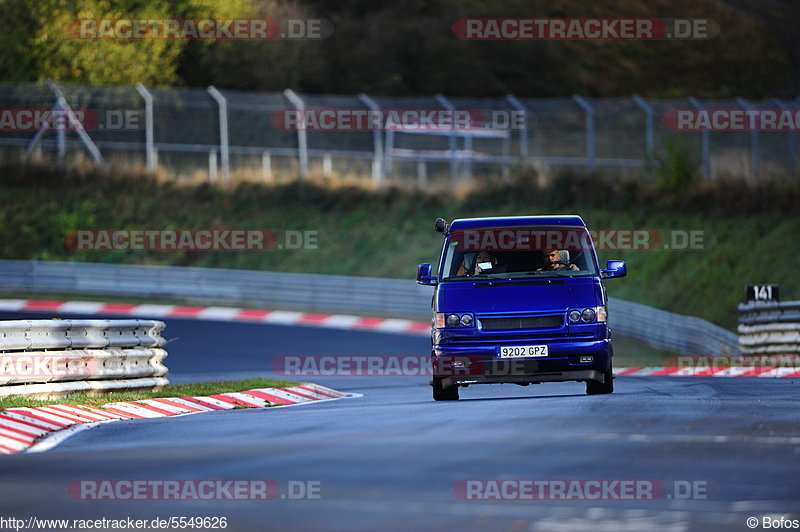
[[557, 259]]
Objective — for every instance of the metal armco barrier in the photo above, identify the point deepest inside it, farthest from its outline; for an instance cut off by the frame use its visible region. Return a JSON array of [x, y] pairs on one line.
[[683, 335], [770, 328], [306, 292], [325, 293], [53, 357]]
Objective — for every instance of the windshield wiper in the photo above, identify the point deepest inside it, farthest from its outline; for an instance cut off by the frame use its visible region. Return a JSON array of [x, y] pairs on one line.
[[520, 274], [559, 273], [478, 277]]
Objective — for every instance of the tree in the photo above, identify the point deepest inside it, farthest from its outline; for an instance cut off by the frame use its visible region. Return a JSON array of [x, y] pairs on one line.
[[39, 44]]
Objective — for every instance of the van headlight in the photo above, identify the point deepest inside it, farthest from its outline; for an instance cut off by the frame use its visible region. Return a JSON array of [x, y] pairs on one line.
[[442, 320], [588, 315]]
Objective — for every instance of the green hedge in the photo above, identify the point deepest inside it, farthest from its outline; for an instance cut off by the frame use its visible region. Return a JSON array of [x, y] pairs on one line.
[[750, 233]]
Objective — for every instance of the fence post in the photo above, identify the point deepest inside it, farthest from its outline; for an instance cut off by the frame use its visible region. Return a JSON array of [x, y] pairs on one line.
[[148, 131], [649, 136], [212, 166], [377, 143], [327, 165], [389, 141], [61, 136], [590, 147], [266, 165], [706, 136], [467, 164], [791, 142], [506, 153], [62, 106], [302, 139], [422, 174], [755, 144], [523, 132], [453, 143], [223, 133]]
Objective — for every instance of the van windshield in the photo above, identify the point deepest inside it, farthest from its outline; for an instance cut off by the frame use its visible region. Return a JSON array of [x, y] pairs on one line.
[[518, 252]]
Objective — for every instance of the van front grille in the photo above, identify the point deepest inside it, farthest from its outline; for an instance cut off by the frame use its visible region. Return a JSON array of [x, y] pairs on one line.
[[530, 322], [510, 339]]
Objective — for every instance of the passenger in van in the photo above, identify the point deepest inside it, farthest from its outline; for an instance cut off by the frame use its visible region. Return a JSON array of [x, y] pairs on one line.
[[475, 267], [557, 259]]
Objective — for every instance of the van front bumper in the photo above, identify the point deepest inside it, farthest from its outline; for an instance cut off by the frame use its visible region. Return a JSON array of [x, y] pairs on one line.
[[480, 364]]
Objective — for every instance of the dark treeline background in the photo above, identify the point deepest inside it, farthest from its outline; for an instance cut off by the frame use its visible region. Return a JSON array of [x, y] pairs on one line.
[[408, 48]]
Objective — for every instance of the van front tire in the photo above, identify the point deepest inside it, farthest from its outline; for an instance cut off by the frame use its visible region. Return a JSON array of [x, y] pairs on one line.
[[441, 393], [601, 388]]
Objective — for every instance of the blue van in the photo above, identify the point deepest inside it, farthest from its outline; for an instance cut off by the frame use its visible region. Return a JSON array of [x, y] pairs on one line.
[[519, 300]]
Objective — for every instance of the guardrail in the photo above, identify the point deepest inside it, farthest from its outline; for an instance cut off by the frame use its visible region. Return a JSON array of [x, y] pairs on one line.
[[324, 293], [679, 334], [306, 292], [49, 358], [769, 328]]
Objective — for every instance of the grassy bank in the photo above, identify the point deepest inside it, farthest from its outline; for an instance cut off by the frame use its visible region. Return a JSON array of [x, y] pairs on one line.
[[202, 389], [748, 233]]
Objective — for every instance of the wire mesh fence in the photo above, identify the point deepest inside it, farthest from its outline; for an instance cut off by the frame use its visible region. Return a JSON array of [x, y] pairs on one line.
[[226, 135]]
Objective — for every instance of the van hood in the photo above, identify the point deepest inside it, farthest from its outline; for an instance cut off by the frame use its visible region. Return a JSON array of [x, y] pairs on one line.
[[519, 295]]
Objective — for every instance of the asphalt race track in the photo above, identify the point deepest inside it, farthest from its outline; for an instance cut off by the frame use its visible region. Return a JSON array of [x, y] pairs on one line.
[[390, 459]]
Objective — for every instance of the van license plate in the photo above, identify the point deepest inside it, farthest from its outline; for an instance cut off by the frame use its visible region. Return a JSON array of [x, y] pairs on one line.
[[515, 351]]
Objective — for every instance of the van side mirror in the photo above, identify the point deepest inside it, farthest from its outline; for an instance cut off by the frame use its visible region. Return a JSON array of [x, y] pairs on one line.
[[615, 268], [424, 275], [440, 225]]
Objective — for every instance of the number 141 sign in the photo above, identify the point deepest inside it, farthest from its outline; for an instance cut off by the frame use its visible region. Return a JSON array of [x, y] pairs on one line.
[[762, 292]]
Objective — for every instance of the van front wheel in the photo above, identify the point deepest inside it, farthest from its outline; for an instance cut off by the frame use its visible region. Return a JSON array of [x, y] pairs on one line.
[[441, 393], [599, 388]]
